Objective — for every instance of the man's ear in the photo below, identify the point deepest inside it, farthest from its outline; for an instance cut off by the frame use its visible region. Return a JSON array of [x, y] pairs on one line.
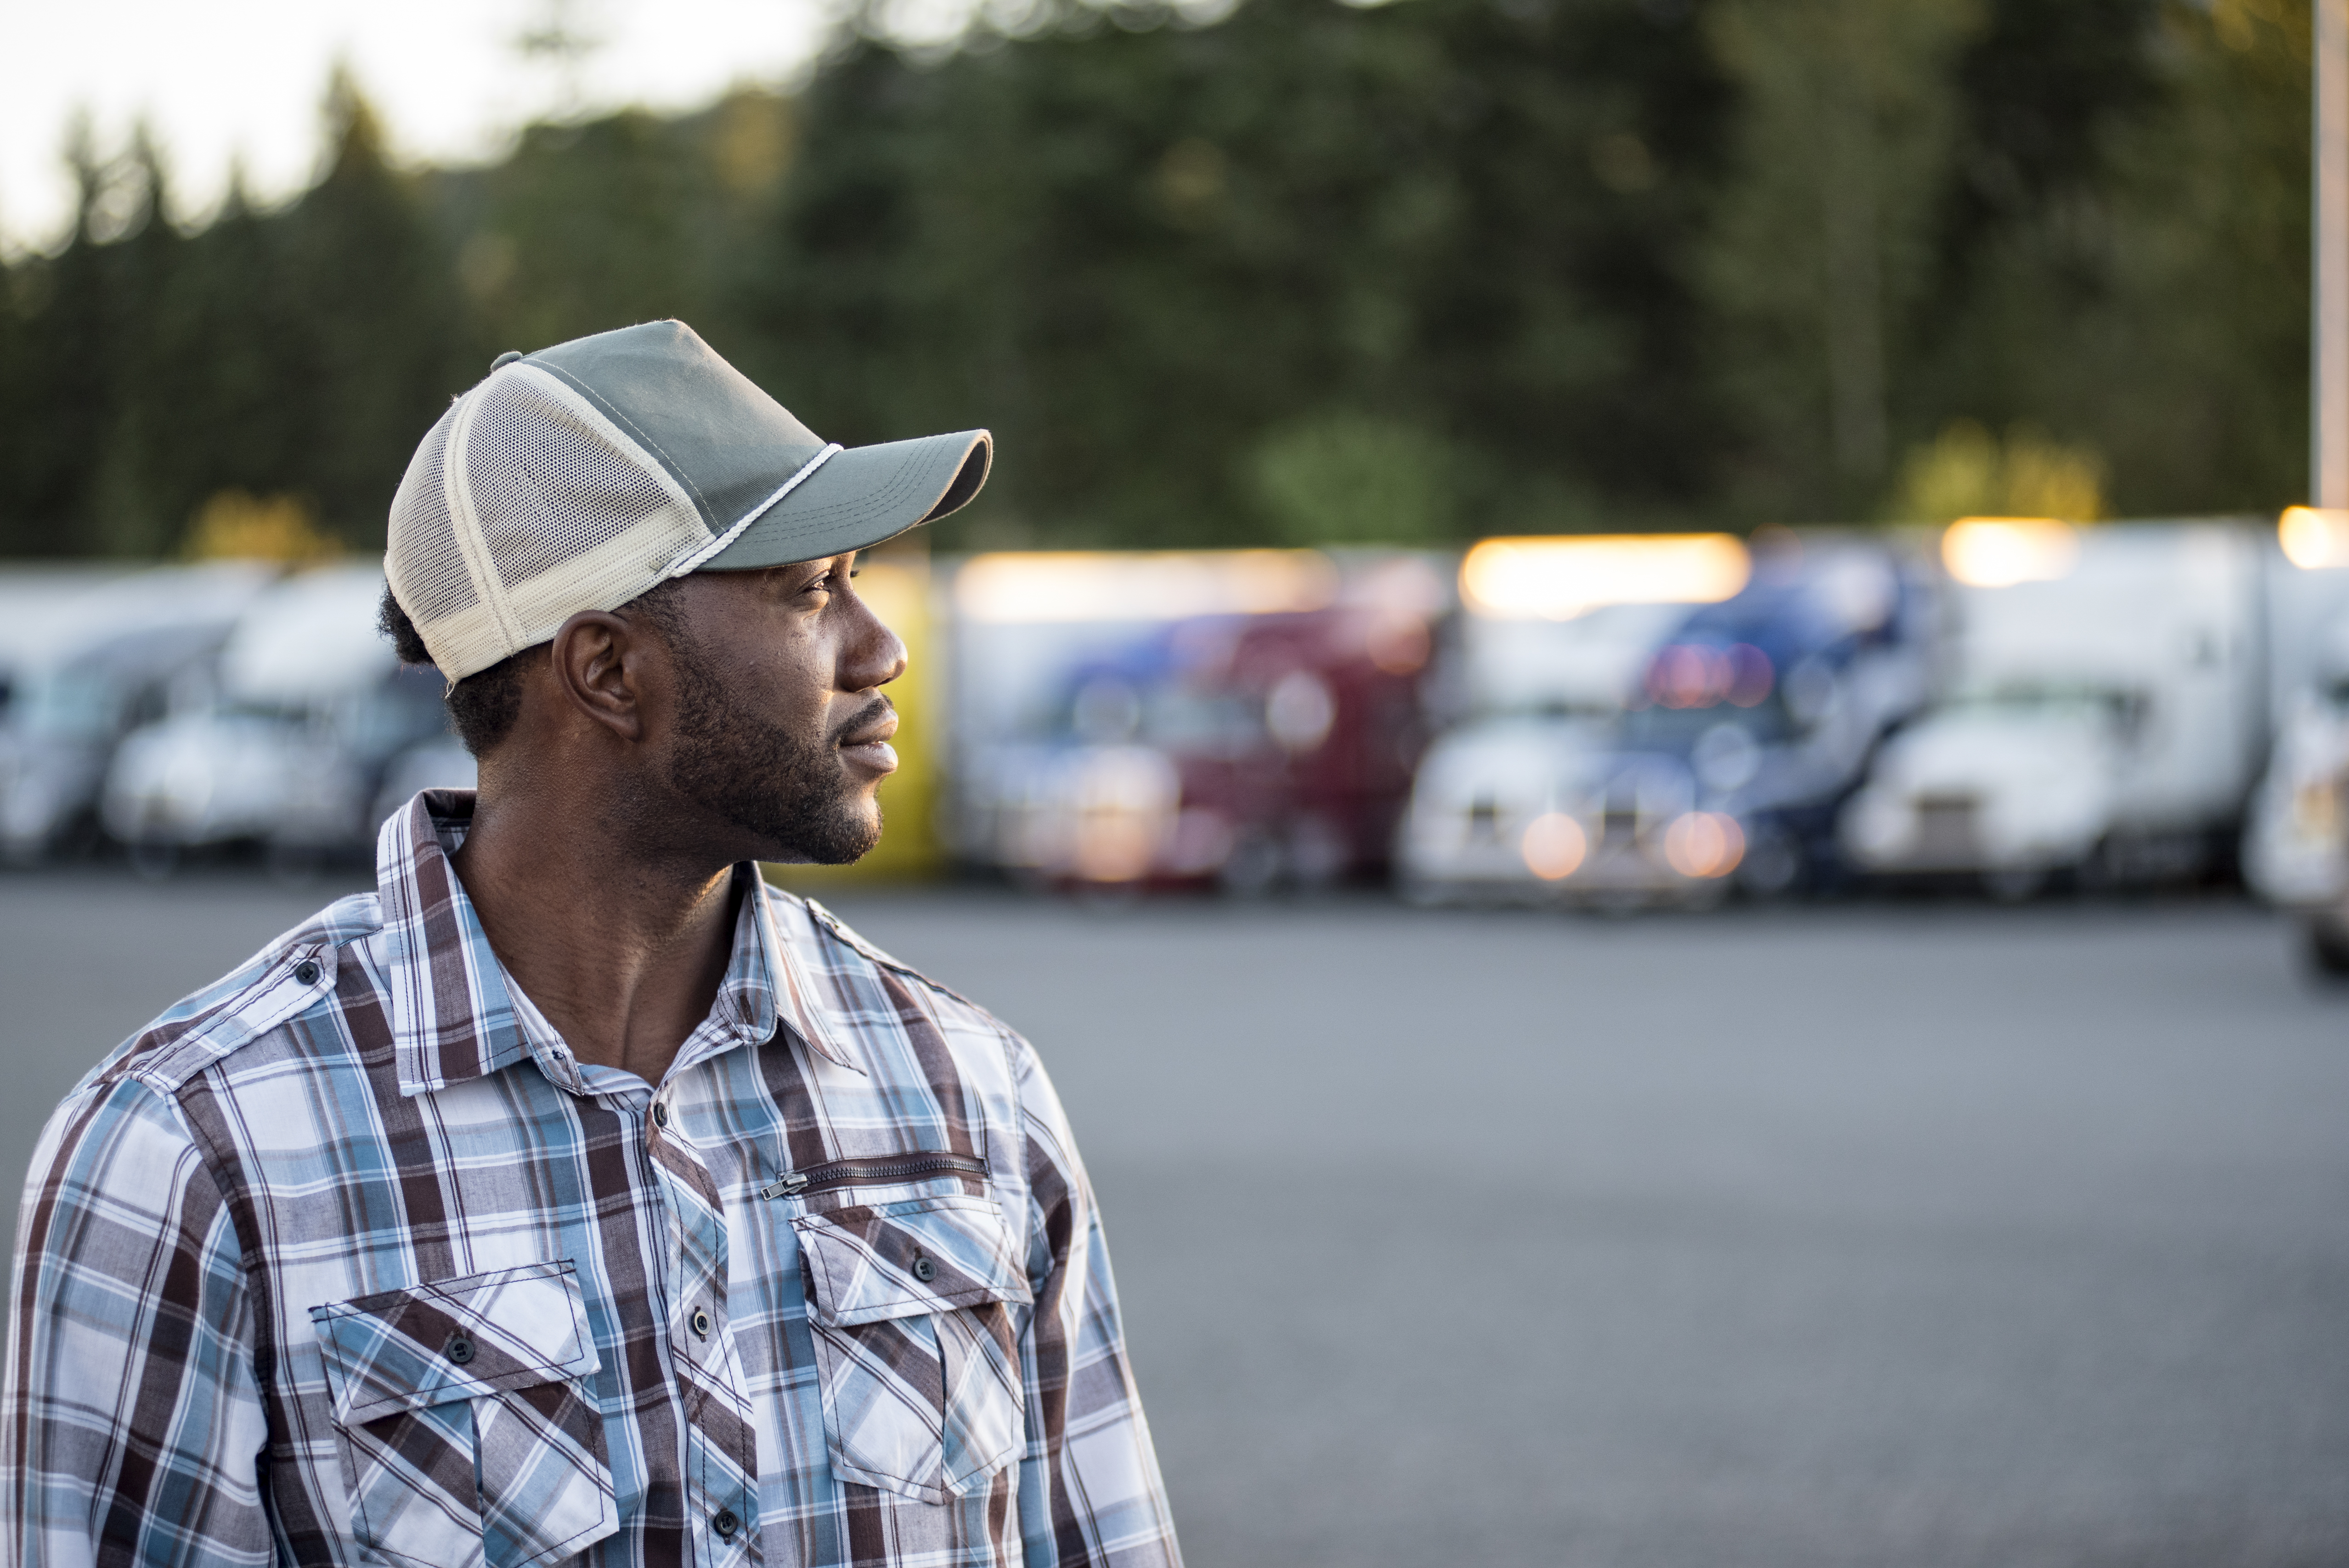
[[600, 660]]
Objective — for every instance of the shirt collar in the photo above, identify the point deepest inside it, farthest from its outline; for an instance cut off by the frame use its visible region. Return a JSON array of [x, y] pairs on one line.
[[454, 1013]]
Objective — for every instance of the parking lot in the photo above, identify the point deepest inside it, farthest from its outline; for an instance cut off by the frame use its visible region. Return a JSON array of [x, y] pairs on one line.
[[1871, 1234]]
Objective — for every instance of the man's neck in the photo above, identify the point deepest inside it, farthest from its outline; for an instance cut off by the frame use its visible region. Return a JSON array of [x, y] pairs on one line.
[[624, 953]]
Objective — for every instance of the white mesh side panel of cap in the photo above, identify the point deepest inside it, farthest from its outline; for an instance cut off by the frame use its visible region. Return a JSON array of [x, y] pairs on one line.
[[422, 558], [552, 478], [572, 515]]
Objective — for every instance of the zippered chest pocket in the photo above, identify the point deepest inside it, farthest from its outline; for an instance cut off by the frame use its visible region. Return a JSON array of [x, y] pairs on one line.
[[918, 1355], [467, 1426]]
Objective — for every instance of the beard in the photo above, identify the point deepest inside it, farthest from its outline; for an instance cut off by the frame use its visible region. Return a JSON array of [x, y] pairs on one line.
[[788, 791]]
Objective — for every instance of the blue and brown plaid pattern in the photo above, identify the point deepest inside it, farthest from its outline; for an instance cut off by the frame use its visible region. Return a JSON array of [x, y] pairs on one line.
[[347, 1259]]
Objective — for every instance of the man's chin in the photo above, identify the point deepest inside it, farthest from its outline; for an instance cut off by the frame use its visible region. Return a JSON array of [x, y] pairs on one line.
[[841, 841]]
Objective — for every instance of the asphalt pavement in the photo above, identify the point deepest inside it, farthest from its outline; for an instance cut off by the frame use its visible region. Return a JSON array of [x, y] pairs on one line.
[[1931, 1234]]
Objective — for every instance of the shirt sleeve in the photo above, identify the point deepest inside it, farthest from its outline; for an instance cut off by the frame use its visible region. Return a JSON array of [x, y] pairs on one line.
[[134, 1420], [1090, 1491]]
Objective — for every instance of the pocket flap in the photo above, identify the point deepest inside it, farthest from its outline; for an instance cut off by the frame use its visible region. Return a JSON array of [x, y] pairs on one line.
[[454, 1339], [906, 1260]]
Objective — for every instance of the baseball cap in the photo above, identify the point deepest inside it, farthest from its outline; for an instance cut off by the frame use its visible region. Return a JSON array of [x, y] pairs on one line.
[[578, 476]]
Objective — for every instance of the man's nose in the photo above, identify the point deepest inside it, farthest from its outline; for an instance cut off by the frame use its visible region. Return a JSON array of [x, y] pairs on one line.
[[875, 654]]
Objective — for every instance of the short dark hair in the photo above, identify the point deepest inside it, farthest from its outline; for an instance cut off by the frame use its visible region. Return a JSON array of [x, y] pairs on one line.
[[483, 706]]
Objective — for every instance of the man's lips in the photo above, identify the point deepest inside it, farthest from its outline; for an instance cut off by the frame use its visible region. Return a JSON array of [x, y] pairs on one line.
[[866, 742]]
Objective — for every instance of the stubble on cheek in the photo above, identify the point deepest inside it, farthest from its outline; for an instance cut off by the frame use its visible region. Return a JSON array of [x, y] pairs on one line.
[[786, 786]]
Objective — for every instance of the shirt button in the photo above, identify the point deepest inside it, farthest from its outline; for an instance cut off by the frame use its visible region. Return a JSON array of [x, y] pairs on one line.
[[460, 1350], [306, 973], [726, 1524], [924, 1269], [700, 1323], [660, 1113]]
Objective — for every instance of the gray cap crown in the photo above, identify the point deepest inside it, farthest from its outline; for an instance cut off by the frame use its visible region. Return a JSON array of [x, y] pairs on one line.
[[580, 476]]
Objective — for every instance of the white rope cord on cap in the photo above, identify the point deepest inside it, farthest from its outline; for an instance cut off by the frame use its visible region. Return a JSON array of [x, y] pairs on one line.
[[755, 514]]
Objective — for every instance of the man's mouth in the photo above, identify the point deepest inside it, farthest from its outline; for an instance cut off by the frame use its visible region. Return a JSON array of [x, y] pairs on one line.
[[865, 742]]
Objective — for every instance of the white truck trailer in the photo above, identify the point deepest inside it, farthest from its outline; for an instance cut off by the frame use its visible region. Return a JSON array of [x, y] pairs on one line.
[[2104, 715]]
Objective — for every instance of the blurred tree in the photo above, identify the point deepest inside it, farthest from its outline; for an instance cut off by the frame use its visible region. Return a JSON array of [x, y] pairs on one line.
[[1143, 252], [1354, 480], [58, 382], [2156, 305], [621, 219], [131, 500], [235, 525], [1966, 472], [231, 319], [1822, 243], [1313, 272], [2111, 245], [380, 323]]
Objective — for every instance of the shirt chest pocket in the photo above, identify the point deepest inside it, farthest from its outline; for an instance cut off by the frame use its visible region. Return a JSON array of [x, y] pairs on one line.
[[910, 1306], [467, 1427]]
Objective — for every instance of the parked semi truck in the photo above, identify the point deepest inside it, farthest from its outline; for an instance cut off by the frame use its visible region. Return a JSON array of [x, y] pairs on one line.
[[1712, 755], [2296, 835], [310, 709], [2103, 714]]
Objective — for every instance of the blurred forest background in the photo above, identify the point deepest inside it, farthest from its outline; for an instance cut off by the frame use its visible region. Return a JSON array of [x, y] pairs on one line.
[[1308, 273]]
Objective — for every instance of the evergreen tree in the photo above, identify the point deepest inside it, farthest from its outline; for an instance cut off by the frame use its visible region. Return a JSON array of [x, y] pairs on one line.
[[1151, 257], [379, 321], [60, 380], [1314, 271]]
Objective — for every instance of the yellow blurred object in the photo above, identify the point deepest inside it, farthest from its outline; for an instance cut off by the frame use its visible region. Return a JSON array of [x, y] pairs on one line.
[[1556, 579], [898, 585], [1025, 587], [2315, 537], [2000, 551], [235, 525], [1966, 470]]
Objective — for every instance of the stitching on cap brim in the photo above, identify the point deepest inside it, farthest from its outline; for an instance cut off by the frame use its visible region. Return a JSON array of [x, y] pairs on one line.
[[804, 526]]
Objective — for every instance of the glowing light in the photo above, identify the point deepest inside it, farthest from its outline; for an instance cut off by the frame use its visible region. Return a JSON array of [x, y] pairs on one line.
[[2000, 552], [1553, 846], [1705, 844], [1299, 711], [1689, 675], [1125, 801], [2314, 536], [1398, 648], [1694, 674], [1558, 579], [1025, 587]]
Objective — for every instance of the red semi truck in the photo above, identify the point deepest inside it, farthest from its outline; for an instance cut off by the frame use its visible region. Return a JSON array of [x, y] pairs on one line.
[[1244, 751]]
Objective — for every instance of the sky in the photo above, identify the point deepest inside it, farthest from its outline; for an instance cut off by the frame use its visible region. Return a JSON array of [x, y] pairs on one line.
[[225, 80]]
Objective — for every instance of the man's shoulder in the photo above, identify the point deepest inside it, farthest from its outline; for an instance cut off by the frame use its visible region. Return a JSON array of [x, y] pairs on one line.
[[294, 973], [825, 940]]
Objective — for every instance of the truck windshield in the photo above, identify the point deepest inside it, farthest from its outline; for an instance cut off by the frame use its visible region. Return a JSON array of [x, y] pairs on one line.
[[1675, 729], [72, 704], [1109, 711], [2125, 708], [1214, 723]]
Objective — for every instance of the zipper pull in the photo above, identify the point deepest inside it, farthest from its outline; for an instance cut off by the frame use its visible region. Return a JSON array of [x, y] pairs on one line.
[[785, 1187]]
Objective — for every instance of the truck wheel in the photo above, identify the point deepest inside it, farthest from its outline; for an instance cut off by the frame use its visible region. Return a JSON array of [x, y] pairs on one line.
[[2015, 885], [2327, 947], [154, 860], [1773, 867]]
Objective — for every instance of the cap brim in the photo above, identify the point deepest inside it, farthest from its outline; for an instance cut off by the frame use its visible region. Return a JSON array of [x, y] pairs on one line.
[[862, 497]]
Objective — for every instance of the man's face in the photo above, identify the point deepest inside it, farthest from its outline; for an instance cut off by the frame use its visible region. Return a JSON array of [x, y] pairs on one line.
[[781, 728]]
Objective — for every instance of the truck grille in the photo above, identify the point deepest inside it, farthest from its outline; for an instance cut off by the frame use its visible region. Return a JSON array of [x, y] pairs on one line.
[[1945, 829]]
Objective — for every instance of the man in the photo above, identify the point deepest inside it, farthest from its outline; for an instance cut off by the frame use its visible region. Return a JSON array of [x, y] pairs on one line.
[[574, 1194]]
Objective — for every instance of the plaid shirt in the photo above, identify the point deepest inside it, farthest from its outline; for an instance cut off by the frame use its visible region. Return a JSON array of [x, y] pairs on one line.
[[349, 1259]]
